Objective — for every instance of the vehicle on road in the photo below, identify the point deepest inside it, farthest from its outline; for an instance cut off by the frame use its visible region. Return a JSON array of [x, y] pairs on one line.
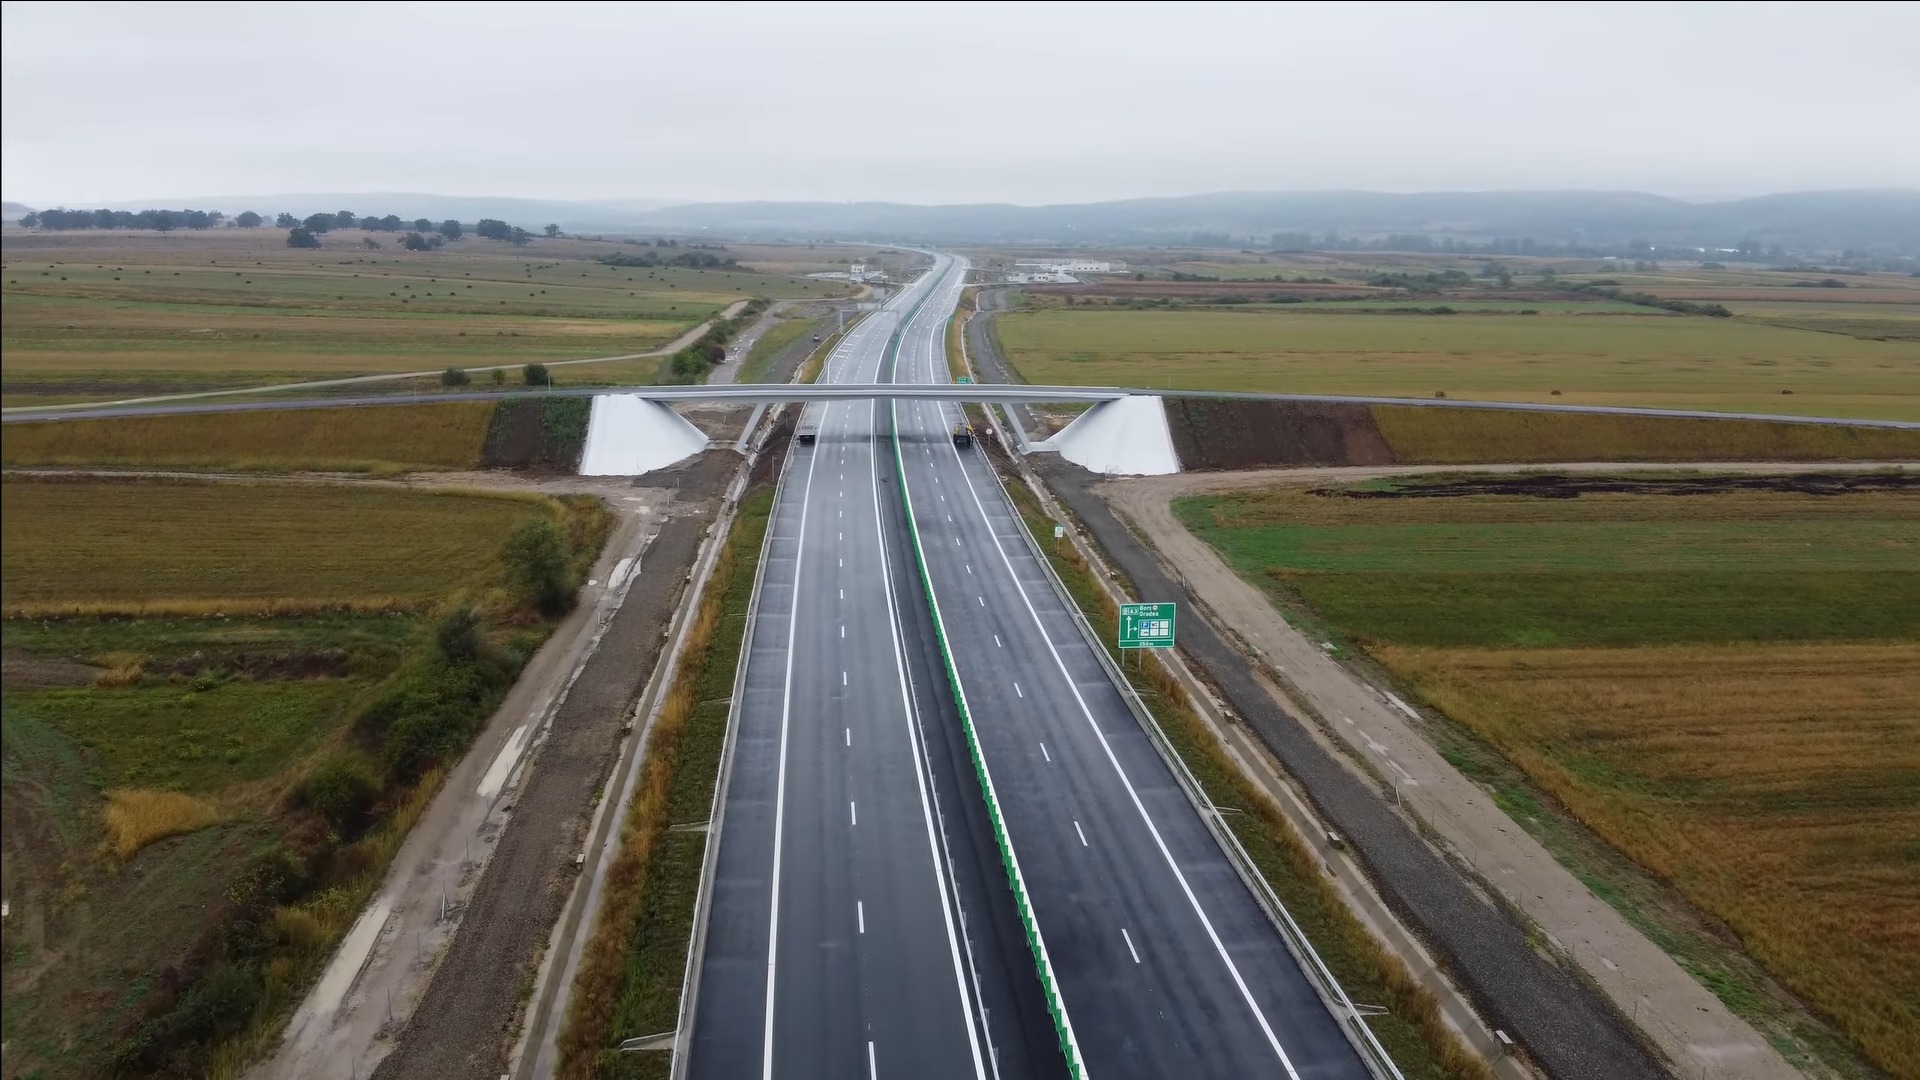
[[806, 433], [963, 434]]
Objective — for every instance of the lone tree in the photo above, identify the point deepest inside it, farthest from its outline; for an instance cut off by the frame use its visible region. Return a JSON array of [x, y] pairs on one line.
[[248, 220], [536, 563], [454, 376], [298, 237], [285, 220], [422, 225], [536, 375], [450, 229], [413, 241], [319, 223], [553, 231], [345, 219], [493, 229]]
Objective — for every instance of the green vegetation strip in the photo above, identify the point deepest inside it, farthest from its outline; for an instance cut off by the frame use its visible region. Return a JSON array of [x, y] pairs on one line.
[[631, 980], [1412, 1029]]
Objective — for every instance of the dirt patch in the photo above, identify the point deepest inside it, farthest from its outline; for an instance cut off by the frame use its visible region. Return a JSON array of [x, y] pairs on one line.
[[537, 433], [1572, 487], [288, 664], [36, 673], [1211, 435]]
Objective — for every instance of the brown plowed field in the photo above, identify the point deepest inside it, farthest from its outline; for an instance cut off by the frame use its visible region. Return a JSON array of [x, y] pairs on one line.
[[1211, 435]]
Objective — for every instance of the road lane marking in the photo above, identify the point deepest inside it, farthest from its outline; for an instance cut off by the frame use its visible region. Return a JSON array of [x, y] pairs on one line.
[[853, 813], [843, 678], [849, 736], [969, 568], [843, 631], [982, 599], [1129, 940], [1044, 754], [1017, 690], [860, 912], [1082, 835], [973, 1007], [996, 642], [780, 784], [1213, 936], [873, 1073]]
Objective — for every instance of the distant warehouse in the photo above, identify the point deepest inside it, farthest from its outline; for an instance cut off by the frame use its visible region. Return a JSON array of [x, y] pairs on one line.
[[1068, 266]]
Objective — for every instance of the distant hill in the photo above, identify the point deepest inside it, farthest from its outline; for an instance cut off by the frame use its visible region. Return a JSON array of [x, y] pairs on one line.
[[1808, 222], [13, 211], [1887, 221]]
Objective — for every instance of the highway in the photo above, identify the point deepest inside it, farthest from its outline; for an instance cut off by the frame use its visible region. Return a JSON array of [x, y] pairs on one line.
[[858, 924], [1166, 964]]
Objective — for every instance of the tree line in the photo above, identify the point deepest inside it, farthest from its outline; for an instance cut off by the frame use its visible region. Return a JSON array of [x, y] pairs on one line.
[[422, 233]]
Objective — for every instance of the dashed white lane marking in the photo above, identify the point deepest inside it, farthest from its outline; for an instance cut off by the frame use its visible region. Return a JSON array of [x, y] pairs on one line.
[[849, 736], [853, 813], [860, 912], [843, 564], [996, 642], [843, 678], [1017, 690], [1082, 835], [843, 633], [1044, 754], [873, 1072], [843, 594], [969, 568], [1129, 940], [982, 599]]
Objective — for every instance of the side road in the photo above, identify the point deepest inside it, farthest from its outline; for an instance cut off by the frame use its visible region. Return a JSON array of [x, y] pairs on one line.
[[668, 349], [1562, 1024], [449, 873], [1689, 1024], [465, 1023]]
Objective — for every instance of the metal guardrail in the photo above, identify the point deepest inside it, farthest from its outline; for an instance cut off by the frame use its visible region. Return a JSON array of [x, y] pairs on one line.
[[1353, 1021], [1036, 944]]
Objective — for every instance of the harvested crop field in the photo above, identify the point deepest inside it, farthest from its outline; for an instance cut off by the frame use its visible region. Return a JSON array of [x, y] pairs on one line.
[[1653, 359], [389, 438], [101, 315], [94, 545], [1712, 674]]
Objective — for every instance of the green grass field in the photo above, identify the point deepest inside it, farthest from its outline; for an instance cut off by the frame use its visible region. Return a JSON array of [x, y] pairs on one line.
[[235, 641], [1655, 359], [128, 315], [1710, 676], [100, 545]]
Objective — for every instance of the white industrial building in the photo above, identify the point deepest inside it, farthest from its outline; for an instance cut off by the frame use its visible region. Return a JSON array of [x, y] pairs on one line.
[[1068, 266]]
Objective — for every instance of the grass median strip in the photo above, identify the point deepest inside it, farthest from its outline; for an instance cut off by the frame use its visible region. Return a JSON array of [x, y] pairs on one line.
[[630, 981], [1412, 1029]]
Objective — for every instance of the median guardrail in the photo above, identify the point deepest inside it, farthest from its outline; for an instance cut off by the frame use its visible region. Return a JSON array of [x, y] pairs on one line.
[[1036, 944]]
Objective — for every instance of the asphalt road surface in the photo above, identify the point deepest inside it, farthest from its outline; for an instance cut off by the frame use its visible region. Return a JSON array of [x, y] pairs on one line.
[[858, 924], [1166, 964]]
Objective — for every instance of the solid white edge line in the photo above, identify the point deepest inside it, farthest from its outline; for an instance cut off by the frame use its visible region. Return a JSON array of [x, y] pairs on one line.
[[1246, 993], [780, 785]]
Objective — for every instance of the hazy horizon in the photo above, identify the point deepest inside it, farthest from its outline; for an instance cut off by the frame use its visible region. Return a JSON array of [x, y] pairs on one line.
[[1030, 105]]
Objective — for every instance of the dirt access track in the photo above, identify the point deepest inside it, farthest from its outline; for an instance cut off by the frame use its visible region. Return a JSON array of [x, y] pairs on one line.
[[1379, 739], [432, 980]]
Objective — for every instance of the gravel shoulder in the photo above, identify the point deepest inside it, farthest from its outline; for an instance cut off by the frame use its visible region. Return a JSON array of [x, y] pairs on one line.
[[1692, 1028]]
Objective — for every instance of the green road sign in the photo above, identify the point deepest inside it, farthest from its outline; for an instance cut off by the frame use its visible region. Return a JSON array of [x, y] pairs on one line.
[[964, 379], [1146, 626]]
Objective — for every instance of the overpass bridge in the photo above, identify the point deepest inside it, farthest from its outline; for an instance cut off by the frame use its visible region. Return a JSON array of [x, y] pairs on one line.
[[781, 393]]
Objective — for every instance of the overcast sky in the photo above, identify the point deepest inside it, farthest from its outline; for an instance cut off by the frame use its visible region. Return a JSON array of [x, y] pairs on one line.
[[1027, 103]]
